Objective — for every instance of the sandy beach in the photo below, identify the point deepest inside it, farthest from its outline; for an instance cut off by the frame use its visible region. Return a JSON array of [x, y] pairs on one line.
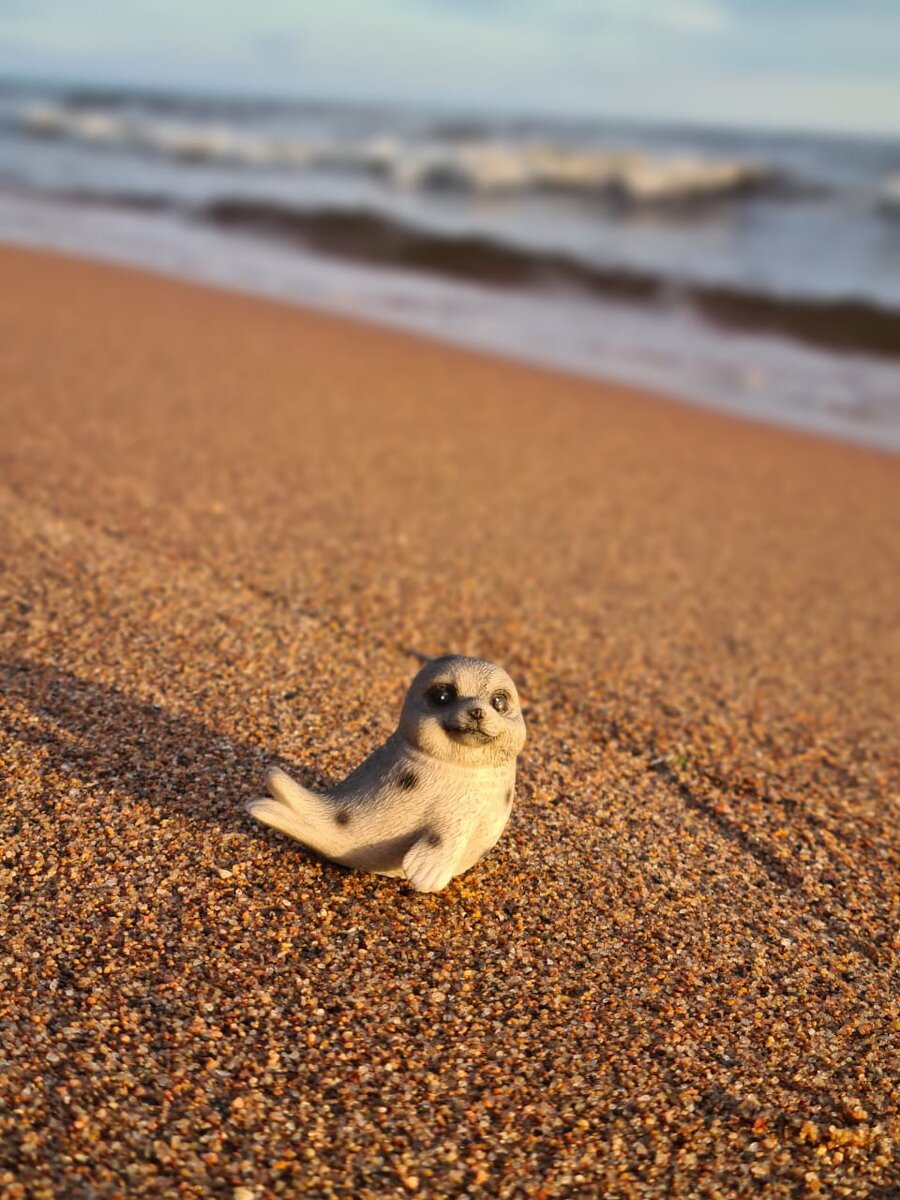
[[230, 531]]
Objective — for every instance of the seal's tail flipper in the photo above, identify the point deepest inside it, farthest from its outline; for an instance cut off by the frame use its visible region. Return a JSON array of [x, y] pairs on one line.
[[298, 799], [299, 813]]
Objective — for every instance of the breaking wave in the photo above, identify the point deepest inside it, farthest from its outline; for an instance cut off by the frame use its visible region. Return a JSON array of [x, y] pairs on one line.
[[631, 176]]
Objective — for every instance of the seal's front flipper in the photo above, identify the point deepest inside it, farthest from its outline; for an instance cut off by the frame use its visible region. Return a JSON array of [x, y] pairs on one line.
[[429, 863]]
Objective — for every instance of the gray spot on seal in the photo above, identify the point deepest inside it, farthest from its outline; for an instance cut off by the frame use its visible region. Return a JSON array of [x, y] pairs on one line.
[[342, 817], [433, 839], [408, 780]]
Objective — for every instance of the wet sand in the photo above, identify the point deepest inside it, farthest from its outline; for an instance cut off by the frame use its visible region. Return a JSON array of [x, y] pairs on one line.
[[229, 529]]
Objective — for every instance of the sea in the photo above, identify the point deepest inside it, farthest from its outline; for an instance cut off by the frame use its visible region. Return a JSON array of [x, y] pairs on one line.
[[752, 271]]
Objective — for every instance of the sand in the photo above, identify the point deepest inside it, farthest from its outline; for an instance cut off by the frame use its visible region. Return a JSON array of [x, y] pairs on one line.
[[229, 529]]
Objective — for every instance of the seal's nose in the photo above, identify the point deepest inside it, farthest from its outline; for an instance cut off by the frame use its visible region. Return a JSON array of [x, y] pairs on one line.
[[476, 713]]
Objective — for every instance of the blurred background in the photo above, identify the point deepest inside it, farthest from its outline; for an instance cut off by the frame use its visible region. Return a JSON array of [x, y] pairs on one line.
[[702, 196]]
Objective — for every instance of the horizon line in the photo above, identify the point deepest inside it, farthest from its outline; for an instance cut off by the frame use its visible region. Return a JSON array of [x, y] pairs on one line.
[[252, 93]]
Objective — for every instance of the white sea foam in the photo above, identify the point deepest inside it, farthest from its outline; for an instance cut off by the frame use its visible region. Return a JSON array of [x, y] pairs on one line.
[[630, 174], [89, 126], [477, 166]]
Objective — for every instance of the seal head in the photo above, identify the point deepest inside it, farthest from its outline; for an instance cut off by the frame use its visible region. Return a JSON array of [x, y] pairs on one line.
[[463, 711]]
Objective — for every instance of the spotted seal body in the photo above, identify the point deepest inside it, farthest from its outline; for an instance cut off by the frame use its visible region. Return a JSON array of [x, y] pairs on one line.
[[431, 801]]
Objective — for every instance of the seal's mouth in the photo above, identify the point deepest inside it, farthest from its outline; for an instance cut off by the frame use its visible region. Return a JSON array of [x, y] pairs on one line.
[[469, 735]]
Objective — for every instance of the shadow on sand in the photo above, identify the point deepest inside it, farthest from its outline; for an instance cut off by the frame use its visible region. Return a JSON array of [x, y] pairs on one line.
[[105, 737]]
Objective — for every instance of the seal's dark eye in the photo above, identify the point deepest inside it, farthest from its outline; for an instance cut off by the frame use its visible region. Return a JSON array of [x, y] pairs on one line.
[[500, 701], [441, 695]]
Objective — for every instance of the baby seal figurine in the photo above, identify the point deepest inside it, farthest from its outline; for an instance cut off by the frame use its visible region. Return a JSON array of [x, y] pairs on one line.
[[432, 800]]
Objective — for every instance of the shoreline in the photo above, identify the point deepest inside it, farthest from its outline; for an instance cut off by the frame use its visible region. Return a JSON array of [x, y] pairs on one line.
[[690, 263], [539, 330], [768, 419], [230, 527]]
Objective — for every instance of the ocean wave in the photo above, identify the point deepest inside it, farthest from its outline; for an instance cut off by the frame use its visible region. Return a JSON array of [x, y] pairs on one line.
[[379, 240], [849, 324], [630, 176], [889, 196], [197, 142]]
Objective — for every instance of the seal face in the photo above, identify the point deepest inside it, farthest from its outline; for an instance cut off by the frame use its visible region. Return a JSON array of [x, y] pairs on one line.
[[464, 711], [434, 798]]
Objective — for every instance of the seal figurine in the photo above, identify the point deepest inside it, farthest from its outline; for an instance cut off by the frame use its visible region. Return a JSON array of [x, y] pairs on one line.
[[431, 801]]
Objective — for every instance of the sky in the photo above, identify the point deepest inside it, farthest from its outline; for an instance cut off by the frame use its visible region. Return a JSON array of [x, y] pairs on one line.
[[821, 64]]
